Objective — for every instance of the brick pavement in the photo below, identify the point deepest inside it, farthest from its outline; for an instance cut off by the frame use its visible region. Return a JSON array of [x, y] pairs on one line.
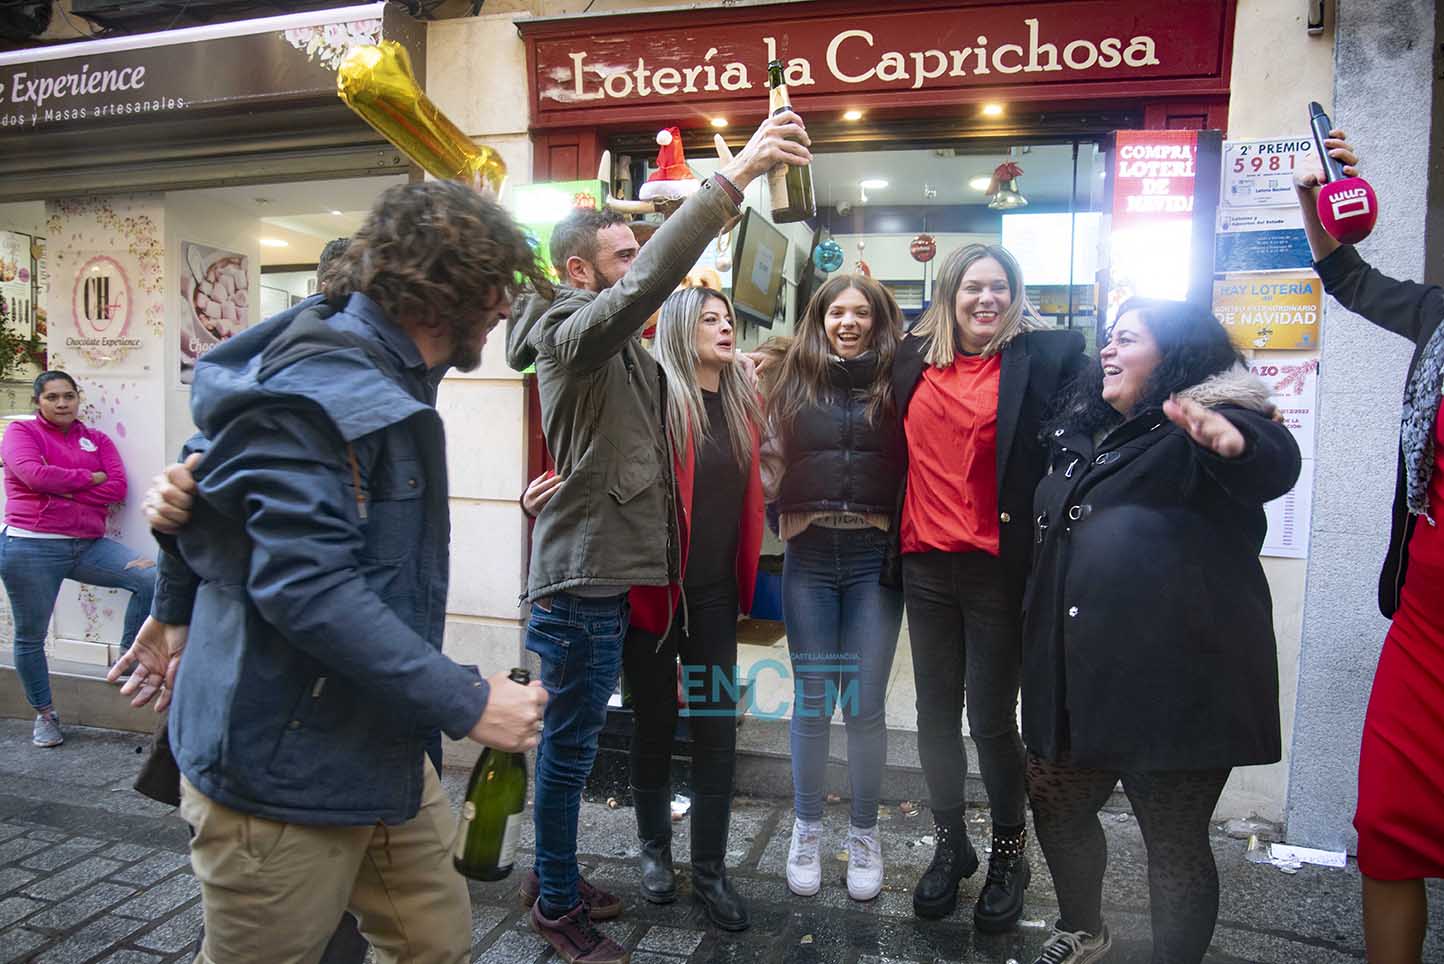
[[90, 873]]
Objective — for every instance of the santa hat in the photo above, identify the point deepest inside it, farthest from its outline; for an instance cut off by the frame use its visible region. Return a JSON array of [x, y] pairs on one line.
[[672, 178]]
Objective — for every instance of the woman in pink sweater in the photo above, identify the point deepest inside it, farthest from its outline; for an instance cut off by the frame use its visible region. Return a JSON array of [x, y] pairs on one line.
[[60, 477]]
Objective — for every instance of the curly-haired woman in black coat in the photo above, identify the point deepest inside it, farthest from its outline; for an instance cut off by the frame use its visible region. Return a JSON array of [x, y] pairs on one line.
[[1149, 651]]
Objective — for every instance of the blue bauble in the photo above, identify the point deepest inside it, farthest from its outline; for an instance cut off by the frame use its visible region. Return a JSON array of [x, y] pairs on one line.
[[828, 256]]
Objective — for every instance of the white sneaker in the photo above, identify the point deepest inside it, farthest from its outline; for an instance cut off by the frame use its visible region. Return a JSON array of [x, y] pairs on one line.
[[1074, 947], [864, 864], [47, 730], [804, 863]]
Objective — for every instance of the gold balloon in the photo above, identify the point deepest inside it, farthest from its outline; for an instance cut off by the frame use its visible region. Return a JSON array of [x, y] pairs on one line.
[[376, 82]]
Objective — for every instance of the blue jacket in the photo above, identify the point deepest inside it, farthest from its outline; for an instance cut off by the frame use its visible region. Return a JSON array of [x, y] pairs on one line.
[[313, 674]]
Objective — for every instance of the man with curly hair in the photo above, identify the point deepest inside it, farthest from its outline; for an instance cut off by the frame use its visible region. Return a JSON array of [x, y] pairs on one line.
[[314, 580]]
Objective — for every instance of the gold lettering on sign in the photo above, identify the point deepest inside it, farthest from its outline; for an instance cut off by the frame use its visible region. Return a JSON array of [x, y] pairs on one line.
[[917, 68]]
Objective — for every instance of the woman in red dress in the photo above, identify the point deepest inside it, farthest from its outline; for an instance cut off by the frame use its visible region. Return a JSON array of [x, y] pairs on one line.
[[1400, 818]]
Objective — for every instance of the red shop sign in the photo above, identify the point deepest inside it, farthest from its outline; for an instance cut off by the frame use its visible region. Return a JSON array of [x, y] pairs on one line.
[[926, 51], [1153, 175]]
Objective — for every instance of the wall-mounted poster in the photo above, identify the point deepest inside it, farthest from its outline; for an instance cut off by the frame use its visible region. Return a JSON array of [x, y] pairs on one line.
[[16, 283], [215, 294], [1270, 311]]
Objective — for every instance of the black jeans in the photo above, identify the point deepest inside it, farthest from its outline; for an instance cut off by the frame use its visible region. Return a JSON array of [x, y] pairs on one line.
[[704, 636], [966, 632]]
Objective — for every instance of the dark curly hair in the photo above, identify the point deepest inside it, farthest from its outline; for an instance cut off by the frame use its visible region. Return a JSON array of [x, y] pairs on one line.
[[435, 250], [1193, 346]]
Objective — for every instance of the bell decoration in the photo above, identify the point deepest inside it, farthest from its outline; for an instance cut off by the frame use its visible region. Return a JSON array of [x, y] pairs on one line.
[[376, 81], [1003, 188], [924, 248], [861, 267], [724, 252], [828, 256]]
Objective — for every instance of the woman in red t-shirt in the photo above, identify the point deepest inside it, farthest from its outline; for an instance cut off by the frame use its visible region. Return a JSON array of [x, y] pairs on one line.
[[973, 382]]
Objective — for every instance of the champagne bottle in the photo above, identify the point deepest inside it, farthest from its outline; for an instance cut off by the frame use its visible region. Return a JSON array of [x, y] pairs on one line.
[[790, 185], [492, 813]]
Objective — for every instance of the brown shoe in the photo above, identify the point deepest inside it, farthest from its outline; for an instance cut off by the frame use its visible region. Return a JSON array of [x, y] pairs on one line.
[[576, 939], [600, 904]]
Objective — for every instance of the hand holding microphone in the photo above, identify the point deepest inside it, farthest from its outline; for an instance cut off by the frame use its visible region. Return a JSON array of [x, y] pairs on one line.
[[1346, 204]]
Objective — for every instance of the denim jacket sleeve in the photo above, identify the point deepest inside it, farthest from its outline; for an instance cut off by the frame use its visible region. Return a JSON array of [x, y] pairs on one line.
[[175, 589], [279, 470]]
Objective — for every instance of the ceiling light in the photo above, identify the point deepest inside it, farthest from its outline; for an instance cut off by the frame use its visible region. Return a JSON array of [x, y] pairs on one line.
[[336, 213], [980, 183], [852, 115], [992, 110], [872, 184], [275, 243], [719, 122]]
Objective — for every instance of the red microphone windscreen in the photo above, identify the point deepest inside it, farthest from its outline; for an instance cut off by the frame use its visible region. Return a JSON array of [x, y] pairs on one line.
[[1348, 209]]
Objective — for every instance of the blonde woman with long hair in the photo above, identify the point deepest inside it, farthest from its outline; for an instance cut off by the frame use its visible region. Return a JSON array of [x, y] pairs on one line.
[[832, 466], [713, 430], [972, 383]]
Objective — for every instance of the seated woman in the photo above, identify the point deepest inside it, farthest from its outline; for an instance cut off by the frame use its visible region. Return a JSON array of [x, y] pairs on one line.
[[1149, 652], [60, 477]]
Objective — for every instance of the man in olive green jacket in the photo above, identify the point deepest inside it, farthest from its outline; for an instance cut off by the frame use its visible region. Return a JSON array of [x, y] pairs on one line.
[[610, 524]]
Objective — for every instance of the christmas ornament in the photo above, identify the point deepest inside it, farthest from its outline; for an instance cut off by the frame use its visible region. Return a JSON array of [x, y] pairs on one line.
[[924, 248], [861, 266], [828, 256]]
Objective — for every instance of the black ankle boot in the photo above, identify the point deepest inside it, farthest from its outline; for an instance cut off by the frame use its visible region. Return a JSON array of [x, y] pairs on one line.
[[710, 887], [654, 830], [1000, 903], [936, 894]]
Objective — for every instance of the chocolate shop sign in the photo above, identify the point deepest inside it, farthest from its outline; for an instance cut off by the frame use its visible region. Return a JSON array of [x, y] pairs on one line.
[[276, 60], [944, 48]]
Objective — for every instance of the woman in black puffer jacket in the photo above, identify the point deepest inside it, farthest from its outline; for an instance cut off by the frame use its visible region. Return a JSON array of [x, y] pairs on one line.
[[832, 464]]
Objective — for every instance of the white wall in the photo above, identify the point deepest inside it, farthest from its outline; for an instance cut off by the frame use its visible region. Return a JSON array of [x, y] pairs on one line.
[[121, 395], [1273, 52], [485, 411]]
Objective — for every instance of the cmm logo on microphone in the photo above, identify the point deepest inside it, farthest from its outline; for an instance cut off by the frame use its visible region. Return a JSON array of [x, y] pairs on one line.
[[1350, 203]]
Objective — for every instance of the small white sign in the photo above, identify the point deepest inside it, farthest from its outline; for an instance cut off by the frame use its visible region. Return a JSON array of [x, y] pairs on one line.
[[1308, 855], [1289, 516], [1261, 173]]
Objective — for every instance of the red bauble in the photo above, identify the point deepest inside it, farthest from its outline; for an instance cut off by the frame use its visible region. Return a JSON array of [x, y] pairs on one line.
[[924, 248]]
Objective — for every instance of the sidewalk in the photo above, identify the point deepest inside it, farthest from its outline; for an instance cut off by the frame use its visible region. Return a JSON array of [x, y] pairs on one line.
[[92, 872]]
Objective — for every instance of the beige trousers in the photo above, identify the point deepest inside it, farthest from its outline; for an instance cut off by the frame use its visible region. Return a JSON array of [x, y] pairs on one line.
[[274, 892]]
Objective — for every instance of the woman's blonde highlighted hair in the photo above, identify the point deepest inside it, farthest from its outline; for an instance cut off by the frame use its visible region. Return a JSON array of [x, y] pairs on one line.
[[940, 321], [675, 348]]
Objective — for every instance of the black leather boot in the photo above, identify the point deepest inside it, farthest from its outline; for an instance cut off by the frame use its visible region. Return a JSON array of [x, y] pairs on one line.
[[654, 830], [1000, 903], [936, 894], [711, 814]]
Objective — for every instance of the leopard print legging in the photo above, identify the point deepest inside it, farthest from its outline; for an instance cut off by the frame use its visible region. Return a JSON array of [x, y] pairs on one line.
[[1173, 809]]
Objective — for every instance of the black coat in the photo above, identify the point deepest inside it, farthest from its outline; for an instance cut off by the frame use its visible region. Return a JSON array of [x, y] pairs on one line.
[[1148, 639], [837, 458], [1405, 308], [1036, 367]]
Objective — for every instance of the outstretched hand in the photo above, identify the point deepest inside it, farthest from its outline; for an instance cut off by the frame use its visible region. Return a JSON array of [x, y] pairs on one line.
[[1206, 427], [151, 661]]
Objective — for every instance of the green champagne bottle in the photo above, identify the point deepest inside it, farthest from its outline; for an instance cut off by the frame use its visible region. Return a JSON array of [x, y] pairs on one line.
[[789, 185], [491, 816]]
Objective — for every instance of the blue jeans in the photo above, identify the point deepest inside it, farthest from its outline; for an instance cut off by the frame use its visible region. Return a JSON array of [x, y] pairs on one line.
[[842, 628], [579, 642], [33, 570]]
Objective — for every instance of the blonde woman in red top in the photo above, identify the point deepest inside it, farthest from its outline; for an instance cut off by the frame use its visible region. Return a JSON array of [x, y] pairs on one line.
[[973, 381]]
